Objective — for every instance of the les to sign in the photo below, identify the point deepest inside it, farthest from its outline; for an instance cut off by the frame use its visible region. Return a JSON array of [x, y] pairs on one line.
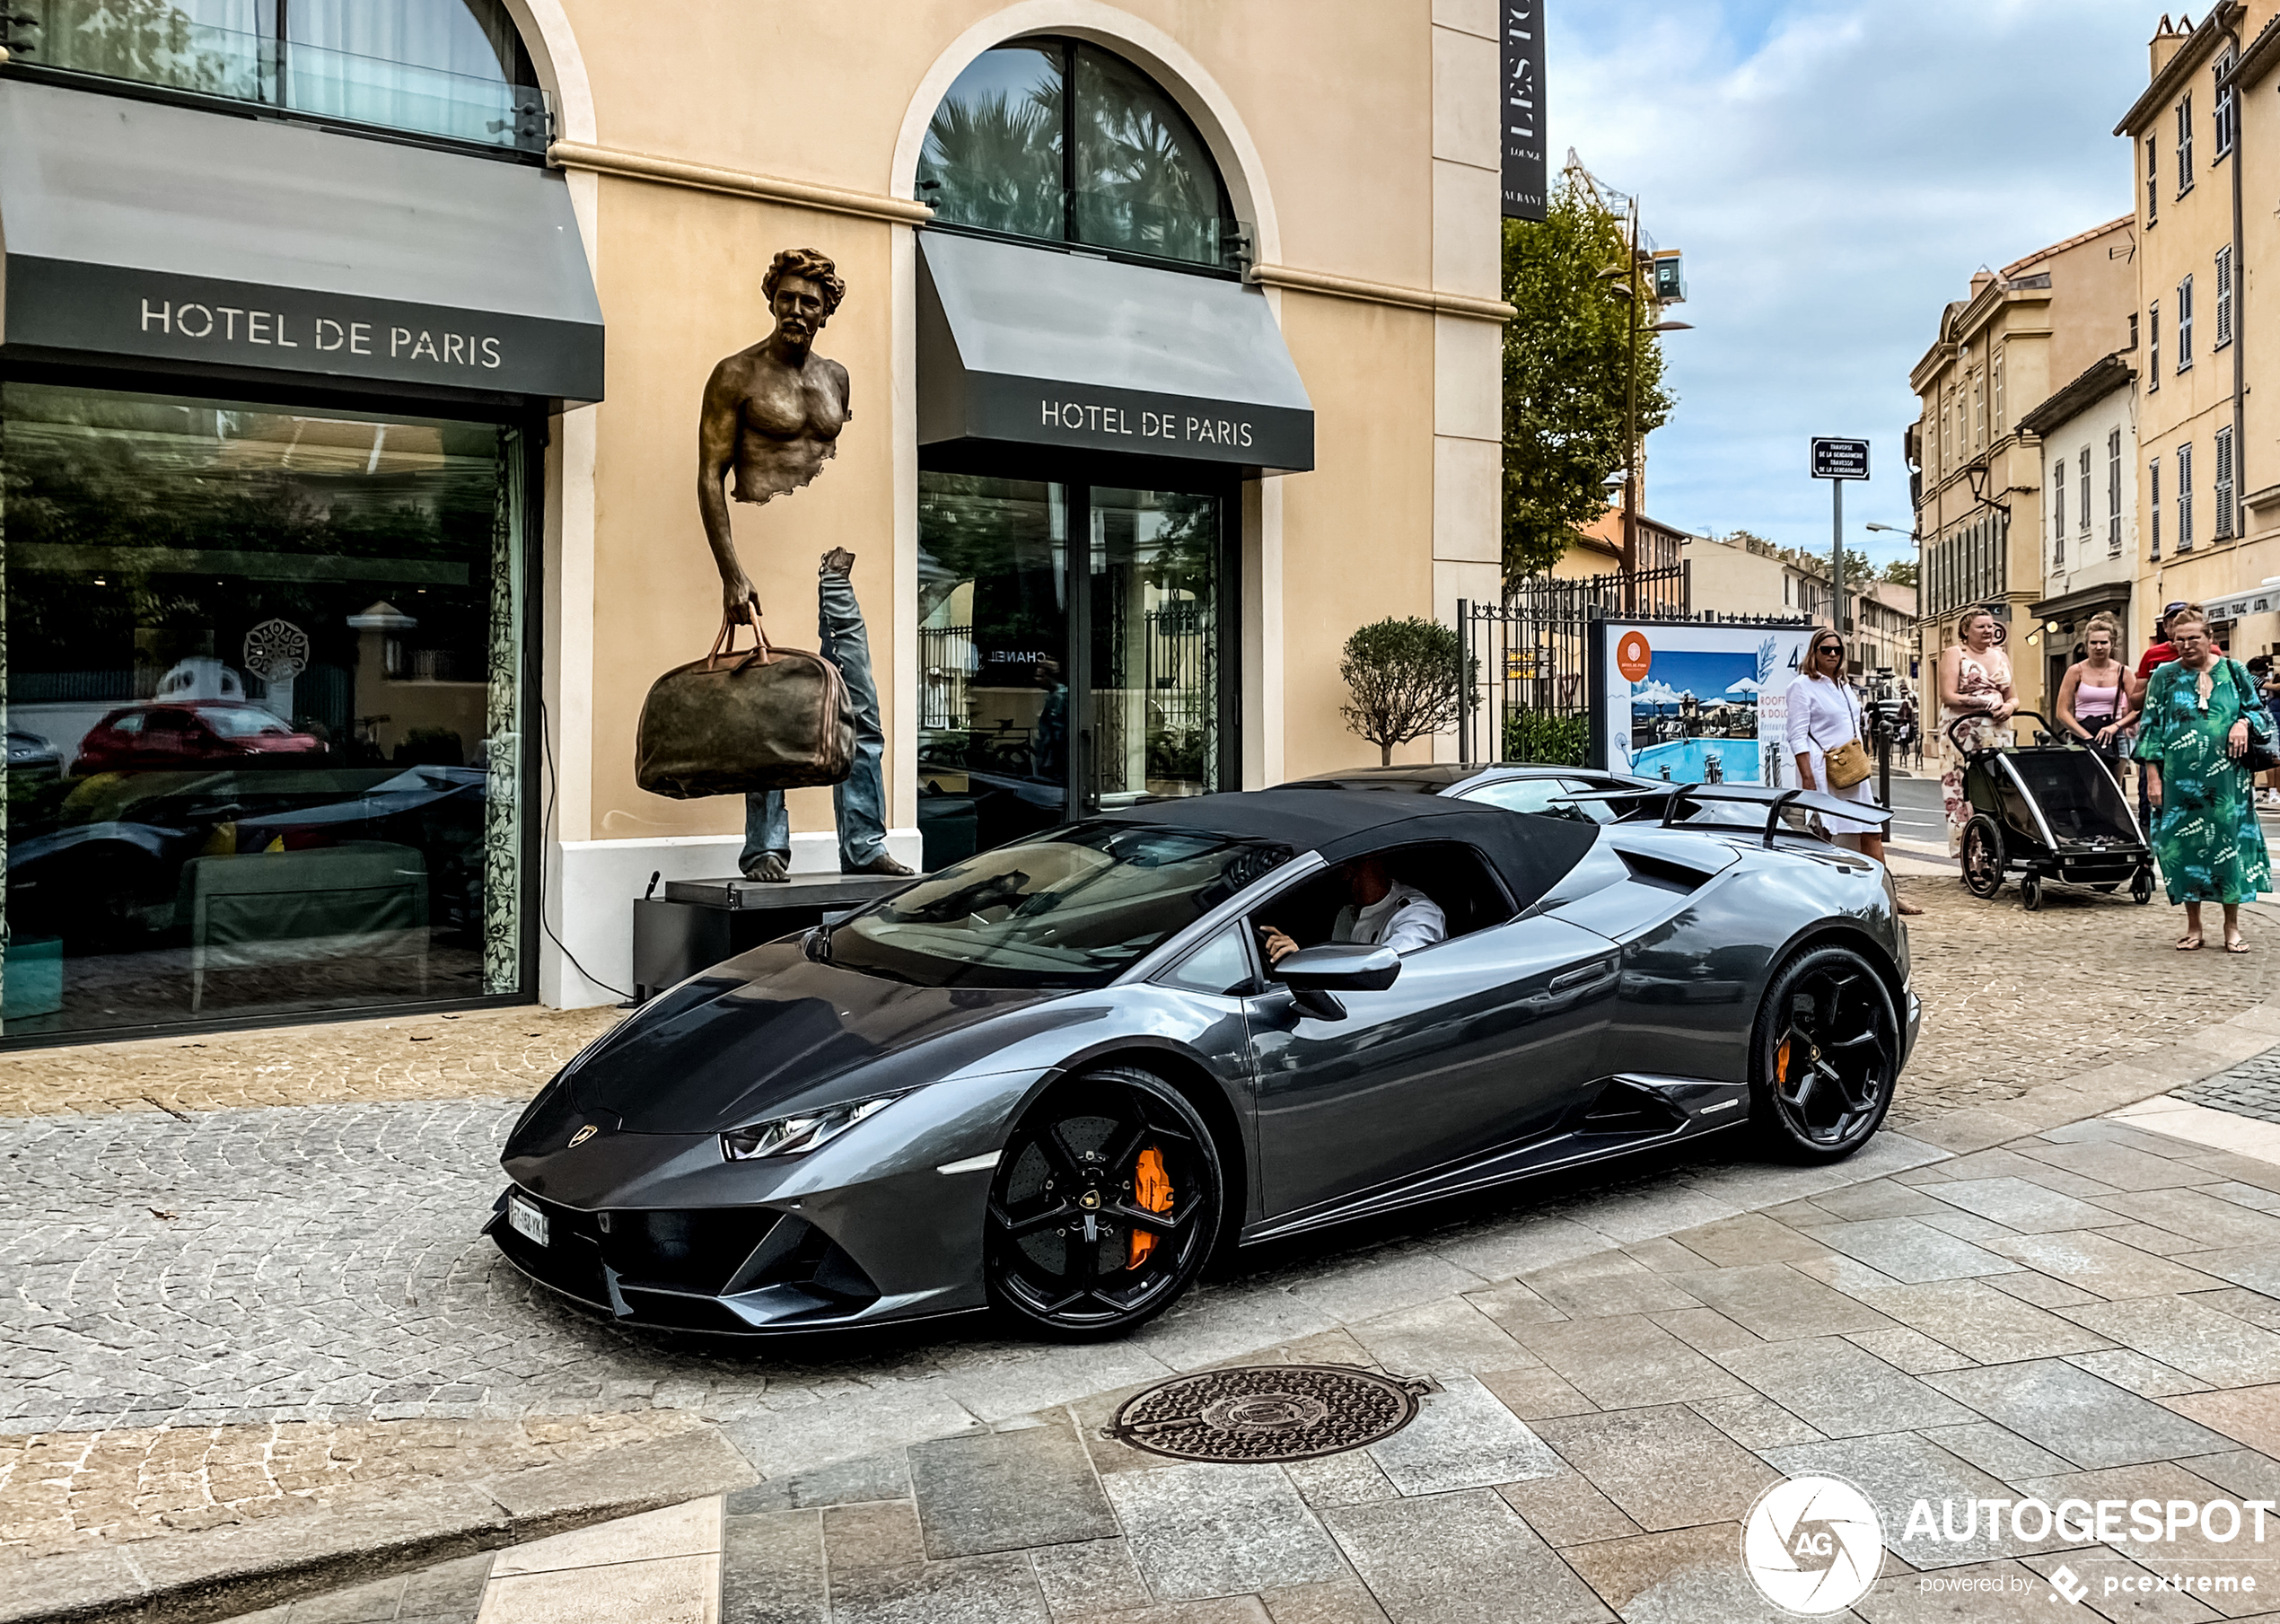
[[1840, 458]]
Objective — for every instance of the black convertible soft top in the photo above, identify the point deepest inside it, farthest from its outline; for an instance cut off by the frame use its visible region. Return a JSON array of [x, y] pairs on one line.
[[1531, 853]]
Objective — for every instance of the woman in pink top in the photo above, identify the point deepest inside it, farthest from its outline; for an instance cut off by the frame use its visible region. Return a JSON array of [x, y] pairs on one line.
[[2093, 697]]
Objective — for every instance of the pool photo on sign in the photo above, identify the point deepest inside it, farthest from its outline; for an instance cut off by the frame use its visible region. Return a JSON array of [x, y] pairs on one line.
[[1699, 703]]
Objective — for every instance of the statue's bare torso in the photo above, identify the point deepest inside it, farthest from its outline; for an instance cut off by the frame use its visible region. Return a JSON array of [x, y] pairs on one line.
[[786, 419]]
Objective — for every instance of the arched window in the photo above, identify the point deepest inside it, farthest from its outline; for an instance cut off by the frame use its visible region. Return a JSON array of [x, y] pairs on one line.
[[1064, 142], [451, 68]]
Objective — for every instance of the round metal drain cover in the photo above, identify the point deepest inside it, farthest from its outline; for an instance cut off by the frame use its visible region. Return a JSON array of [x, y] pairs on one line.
[[1267, 1412]]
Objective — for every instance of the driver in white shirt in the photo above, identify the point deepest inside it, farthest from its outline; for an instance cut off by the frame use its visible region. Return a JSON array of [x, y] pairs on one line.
[[1383, 913]]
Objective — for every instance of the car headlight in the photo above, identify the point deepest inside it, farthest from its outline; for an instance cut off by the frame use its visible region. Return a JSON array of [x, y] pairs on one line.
[[797, 1136]]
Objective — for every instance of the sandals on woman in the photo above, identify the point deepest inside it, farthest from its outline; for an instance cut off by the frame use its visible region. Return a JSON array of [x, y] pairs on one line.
[[2190, 943]]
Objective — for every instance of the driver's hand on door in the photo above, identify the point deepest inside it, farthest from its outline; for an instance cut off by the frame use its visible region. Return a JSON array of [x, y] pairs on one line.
[[1275, 945]]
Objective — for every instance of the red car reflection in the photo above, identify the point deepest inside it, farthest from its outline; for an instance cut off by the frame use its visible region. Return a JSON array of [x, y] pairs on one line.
[[194, 733]]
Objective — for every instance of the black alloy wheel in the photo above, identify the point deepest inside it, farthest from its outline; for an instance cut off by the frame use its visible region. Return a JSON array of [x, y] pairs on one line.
[[1107, 1202], [1828, 1050], [1983, 856]]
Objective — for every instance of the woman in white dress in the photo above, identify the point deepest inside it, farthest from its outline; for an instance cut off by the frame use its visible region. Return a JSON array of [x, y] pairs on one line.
[[1824, 714]]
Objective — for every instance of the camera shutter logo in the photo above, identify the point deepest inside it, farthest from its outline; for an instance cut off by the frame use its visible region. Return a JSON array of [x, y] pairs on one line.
[[1812, 1545]]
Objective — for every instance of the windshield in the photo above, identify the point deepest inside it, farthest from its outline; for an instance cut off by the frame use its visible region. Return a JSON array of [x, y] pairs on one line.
[[243, 722], [1070, 907]]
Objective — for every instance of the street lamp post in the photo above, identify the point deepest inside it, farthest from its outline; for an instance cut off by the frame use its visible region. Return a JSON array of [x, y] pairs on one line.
[[1634, 296]]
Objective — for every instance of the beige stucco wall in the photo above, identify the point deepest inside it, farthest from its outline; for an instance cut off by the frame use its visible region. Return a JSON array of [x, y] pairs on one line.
[[1358, 136]]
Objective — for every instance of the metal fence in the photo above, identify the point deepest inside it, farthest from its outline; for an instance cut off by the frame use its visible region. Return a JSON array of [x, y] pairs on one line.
[[1530, 658]]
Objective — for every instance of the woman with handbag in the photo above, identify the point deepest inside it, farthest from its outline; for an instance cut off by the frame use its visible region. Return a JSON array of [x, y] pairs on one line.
[[1826, 736], [2203, 738]]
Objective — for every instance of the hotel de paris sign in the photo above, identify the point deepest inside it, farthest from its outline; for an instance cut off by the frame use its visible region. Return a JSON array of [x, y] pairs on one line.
[[119, 311]]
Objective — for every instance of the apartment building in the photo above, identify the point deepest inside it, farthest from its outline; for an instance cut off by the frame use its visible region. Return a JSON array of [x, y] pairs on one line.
[[2207, 461], [2088, 435], [2019, 335]]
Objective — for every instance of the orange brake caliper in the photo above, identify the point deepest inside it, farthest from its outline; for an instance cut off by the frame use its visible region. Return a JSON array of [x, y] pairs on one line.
[[1151, 1192]]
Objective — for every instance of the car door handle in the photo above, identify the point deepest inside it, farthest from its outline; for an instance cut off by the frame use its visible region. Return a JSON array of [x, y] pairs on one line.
[[1567, 978]]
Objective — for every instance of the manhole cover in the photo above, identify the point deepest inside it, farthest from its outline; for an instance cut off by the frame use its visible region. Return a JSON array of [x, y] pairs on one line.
[[1267, 1412]]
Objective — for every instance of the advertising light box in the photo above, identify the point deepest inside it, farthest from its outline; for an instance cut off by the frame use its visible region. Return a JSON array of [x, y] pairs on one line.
[[1695, 704]]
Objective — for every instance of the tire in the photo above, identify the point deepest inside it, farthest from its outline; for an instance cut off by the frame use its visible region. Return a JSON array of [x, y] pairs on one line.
[[2141, 887], [2030, 893], [1074, 1161], [1825, 1056], [1983, 856]]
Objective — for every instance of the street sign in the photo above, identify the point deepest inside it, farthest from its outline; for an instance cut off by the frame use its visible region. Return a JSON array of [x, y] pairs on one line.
[[1840, 458], [1526, 176]]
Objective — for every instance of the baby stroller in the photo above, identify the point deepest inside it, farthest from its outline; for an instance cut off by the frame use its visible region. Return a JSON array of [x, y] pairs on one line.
[[2048, 811]]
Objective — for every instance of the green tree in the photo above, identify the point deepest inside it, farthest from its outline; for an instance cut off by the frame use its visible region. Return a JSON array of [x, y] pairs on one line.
[[1408, 678], [1566, 366], [1900, 571]]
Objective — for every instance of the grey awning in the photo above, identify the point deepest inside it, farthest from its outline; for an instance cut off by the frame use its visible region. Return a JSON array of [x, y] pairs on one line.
[[1046, 349], [134, 229]]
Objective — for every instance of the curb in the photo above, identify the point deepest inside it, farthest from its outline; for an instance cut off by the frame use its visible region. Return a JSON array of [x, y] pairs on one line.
[[220, 1573]]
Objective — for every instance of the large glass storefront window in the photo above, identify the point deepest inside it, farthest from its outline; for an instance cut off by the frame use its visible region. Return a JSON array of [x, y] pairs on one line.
[[264, 705], [1054, 683], [455, 68]]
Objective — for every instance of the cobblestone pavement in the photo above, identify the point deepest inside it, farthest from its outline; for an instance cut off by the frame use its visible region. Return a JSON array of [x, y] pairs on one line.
[[2250, 1089], [476, 1054], [2013, 998], [2088, 1313], [247, 1271]]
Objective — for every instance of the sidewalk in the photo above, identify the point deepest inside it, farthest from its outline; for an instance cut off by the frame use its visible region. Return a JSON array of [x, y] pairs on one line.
[[2078, 1313]]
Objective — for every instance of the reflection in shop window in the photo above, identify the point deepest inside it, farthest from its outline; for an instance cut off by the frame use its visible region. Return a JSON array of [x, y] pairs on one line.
[[263, 700], [1117, 166], [452, 68]]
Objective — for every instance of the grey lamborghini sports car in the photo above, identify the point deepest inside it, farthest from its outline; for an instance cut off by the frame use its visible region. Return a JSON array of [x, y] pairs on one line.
[[1058, 1076]]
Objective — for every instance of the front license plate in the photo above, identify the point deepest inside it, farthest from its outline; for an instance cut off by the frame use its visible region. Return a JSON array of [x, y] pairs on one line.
[[526, 1219]]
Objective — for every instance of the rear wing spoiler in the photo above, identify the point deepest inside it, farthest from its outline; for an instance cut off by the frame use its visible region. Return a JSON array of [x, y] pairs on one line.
[[1775, 800]]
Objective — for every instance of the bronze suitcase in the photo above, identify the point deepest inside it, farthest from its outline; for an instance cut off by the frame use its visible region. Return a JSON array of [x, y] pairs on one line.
[[736, 724]]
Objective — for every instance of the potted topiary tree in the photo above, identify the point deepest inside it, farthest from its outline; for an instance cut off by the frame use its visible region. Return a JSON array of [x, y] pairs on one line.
[[1408, 680]]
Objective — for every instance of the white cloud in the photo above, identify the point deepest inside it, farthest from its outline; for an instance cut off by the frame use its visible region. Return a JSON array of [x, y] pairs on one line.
[[1834, 179]]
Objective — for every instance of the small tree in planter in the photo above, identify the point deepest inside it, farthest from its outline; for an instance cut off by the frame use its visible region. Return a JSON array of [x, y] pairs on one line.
[[1408, 678]]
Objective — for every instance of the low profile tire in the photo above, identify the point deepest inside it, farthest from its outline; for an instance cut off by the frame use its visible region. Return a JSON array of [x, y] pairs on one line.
[[1983, 856], [1826, 1056], [2141, 887], [1072, 1250], [2030, 893]]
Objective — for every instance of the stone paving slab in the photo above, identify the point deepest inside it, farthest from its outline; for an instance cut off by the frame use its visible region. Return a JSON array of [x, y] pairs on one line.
[[1607, 1476]]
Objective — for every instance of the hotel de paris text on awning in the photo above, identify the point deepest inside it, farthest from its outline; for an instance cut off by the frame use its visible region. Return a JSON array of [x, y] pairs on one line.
[[1034, 347], [131, 229]]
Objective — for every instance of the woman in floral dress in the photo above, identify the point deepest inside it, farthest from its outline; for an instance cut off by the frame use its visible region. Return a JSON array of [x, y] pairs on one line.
[[1974, 681], [2199, 711]]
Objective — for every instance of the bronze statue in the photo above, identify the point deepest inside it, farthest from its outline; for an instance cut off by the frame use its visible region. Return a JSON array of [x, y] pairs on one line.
[[772, 417]]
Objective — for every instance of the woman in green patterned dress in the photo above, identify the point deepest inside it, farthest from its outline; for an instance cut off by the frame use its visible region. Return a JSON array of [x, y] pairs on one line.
[[2198, 712]]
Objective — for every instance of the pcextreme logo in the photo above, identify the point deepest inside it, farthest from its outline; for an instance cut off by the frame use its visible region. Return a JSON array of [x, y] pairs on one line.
[[1814, 1545]]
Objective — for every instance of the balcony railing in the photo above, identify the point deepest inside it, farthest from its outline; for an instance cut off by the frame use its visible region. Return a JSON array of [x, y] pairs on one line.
[[176, 54]]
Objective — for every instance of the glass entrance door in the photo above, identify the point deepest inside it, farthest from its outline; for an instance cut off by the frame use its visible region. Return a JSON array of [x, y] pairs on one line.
[[1153, 676], [1054, 681], [994, 759]]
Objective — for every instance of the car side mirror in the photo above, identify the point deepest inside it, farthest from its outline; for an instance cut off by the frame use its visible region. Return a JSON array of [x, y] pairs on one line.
[[1339, 967]]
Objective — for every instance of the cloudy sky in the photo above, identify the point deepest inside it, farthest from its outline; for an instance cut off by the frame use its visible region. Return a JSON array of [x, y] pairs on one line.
[[1834, 171]]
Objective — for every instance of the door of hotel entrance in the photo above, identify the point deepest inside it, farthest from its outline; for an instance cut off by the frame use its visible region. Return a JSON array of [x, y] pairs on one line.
[[1058, 681]]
